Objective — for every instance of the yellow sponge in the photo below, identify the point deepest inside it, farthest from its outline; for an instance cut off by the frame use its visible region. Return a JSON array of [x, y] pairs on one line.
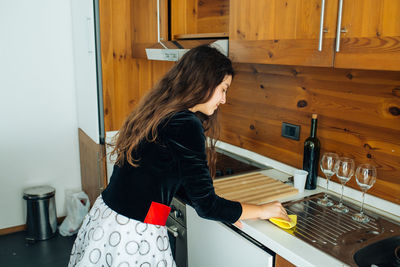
[[283, 223]]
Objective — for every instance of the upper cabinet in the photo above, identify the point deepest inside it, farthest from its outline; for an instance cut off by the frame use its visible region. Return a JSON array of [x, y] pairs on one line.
[[177, 23], [199, 19], [145, 30], [281, 32], [362, 34], [370, 35]]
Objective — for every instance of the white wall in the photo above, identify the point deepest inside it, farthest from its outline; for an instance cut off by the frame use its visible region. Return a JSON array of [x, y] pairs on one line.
[[38, 132]]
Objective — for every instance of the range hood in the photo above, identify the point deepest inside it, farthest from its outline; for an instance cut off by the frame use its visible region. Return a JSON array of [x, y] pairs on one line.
[[181, 47]]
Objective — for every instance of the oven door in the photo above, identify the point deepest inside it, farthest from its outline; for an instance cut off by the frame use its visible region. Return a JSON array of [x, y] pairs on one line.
[[178, 241]]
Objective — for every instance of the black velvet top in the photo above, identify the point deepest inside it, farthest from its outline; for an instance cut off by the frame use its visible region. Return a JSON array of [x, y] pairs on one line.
[[176, 161]]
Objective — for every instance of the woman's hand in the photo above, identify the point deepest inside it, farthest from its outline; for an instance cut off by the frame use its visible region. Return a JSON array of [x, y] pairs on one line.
[[273, 209], [265, 211]]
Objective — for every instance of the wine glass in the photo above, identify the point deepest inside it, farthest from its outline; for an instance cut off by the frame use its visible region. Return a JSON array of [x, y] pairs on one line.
[[327, 165], [365, 177], [344, 169]]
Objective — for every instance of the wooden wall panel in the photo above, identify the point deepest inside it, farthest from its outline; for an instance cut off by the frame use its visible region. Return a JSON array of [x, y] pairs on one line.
[[132, 79], [125, 79], [359, 116]]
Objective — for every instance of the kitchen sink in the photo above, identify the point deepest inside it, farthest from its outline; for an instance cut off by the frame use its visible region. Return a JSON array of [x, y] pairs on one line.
[[337, 234], [382, 253]]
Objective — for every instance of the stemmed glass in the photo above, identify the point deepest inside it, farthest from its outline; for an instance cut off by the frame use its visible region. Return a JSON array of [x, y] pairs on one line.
[[365, 177], [327, 165], [344, 169]]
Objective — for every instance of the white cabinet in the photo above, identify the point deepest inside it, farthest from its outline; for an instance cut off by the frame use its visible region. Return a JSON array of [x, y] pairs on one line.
[[212, 243], [87, 66], [89, 108]]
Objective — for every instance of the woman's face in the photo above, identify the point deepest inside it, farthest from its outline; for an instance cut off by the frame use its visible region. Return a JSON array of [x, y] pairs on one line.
[[219, 97]]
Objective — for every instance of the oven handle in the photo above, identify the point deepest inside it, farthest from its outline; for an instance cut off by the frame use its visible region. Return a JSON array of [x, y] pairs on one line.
[[173, 230]]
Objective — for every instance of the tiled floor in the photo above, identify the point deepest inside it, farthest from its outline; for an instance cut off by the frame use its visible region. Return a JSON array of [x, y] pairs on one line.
[[16, 252]]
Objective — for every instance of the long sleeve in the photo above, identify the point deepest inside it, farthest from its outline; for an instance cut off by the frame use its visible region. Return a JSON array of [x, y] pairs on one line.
[[186, 138]]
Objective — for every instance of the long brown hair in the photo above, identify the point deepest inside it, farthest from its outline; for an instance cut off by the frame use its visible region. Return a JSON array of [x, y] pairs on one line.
[[189, 82]]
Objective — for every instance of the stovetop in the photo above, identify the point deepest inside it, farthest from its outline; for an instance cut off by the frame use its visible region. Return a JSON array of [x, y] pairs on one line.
[[231, 164]]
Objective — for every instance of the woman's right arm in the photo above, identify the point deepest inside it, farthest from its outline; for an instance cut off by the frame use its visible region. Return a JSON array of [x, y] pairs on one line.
[[186, 138], [265, 211]]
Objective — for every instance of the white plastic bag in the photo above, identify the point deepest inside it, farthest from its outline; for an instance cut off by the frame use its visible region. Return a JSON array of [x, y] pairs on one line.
[[77, 207]]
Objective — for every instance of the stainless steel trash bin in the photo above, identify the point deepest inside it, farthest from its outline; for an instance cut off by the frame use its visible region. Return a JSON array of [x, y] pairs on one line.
[[41, 216]]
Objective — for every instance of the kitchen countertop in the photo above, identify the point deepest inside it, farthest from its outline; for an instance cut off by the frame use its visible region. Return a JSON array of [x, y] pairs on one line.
[[289, 247]]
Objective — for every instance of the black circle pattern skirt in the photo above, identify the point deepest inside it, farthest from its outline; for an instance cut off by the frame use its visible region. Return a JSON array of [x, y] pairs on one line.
[[107, 239]]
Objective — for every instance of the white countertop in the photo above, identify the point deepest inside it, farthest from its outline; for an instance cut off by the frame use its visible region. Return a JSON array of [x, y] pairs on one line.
[[289, 247], [286, 245]]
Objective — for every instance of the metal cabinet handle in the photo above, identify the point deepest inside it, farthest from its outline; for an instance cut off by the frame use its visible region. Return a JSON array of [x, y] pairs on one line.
[[158, 25], [173, 230], [339, 25], [321, 25]]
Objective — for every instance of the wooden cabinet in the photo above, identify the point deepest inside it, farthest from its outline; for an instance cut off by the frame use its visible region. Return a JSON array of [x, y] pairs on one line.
[[288, 33], [371, 37], [282, 262], [281, 32], [190, 22], [144, 28], [199, 19]]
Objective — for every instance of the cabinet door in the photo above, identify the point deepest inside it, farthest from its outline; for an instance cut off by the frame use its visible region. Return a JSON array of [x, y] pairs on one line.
[[85, 67], [281, 31], [199, 19], [211, 243], [372, 35], [144, 29]]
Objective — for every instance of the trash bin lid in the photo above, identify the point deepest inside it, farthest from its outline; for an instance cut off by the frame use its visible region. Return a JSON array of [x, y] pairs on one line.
[[39, 192]]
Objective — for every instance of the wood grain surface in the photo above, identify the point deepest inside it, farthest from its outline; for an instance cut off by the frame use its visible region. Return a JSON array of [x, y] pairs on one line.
[[359, 110], [281, 32], [282, 262], [126, 78], [199, 17], [287, 32], [253, 188], [371, 37], [359, 116], [93, 166]]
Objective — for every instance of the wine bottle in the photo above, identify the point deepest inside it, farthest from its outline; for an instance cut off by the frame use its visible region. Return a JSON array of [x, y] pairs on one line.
[[311, 155]]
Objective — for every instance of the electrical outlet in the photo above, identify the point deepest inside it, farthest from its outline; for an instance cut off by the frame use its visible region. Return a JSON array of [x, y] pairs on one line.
[[291, 131]]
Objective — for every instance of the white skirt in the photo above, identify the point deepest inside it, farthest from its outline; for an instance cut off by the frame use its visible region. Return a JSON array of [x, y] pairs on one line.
[[107, 238]]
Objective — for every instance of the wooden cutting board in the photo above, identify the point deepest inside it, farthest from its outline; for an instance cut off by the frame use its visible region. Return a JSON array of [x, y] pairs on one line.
[[253, 188]]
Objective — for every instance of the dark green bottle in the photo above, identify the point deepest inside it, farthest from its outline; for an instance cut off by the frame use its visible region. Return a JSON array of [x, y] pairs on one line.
[[312, 147]]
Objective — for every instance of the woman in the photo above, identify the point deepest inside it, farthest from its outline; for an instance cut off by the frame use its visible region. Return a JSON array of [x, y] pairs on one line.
[[161, 149]]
